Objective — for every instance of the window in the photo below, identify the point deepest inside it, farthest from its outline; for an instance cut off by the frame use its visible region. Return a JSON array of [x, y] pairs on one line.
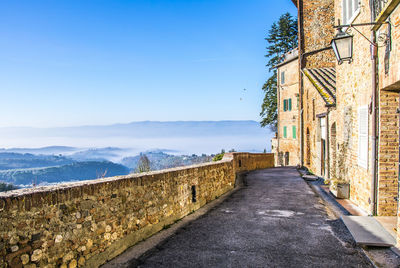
[[350, 10], [290, 105], [284, 105], [322, 124], [294, 132], [285, 132], [282, 78], [363, 137]]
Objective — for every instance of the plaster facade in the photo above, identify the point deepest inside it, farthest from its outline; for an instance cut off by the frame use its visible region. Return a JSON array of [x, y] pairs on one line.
[[286, 144]]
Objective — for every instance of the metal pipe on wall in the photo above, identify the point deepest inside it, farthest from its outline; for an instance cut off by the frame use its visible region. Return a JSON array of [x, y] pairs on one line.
[[327, 145], [374, 179]]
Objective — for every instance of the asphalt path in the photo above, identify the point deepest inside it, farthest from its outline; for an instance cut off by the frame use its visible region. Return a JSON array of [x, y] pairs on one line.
[[275, 220]]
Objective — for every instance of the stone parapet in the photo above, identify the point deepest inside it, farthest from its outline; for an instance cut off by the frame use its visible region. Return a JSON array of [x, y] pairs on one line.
[[89, 222]]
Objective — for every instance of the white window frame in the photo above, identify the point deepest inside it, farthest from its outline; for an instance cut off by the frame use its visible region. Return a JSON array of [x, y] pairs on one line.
[[363, 138], [349, 13]]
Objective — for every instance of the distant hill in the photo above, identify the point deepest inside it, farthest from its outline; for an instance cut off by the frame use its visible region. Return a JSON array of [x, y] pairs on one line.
[[27, 169], [72, 172], [20, 161], [185, 137], [48, 150], [160, 160], [99, 154]]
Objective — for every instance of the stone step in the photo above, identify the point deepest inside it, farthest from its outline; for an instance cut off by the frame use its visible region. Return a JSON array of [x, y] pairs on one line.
[[367, 231], [310, 177]]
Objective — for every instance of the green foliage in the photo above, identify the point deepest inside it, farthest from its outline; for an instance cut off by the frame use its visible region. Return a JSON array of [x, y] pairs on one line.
[[269, 108], [4, 187], [282, 37], [218, 157]]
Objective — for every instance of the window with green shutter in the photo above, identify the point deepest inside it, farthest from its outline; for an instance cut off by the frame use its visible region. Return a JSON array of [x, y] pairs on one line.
[[284, 105], [294, 132], [290, 104], [285, 132]]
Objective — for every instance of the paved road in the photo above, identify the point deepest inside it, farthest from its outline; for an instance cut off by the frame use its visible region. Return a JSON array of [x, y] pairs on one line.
[[274, 221]]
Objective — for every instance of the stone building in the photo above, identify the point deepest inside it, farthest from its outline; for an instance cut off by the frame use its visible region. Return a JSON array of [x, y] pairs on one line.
[[285, 144], [350, 120], [317, 80], [367, 102]]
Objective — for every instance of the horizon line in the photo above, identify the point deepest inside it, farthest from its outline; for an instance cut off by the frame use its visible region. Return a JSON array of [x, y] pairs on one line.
[[131, 122]]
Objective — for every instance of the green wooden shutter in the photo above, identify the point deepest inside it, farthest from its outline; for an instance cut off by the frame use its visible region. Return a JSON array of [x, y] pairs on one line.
[[284, 105], [284, 132], [290, 105], [294, 132]]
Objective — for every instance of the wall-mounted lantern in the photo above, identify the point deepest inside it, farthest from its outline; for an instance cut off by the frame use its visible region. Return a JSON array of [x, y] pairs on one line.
[[342, 45]]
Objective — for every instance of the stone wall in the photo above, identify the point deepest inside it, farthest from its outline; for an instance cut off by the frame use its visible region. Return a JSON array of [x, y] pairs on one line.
[[87, 223], [388, 154], [354, 90], [317, 18], [316, 32]]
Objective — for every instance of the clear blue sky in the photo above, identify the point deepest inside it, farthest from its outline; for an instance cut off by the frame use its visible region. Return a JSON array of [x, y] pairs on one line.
[[66, 63]]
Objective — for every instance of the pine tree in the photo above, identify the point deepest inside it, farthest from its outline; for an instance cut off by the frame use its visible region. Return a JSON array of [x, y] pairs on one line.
[[282, 37]]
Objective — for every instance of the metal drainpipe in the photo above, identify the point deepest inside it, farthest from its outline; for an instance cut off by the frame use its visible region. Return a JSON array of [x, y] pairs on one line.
[[327, 145], [374, 181]]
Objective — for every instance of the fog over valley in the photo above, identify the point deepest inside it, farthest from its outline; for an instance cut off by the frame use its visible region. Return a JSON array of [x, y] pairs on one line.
[[42, 156]]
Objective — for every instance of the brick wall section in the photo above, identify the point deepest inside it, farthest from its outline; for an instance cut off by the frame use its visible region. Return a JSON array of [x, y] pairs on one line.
[[86, 223], [388, 153]]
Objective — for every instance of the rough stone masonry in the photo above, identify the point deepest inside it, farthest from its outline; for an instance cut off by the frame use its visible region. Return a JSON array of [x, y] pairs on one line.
[[90, 222]]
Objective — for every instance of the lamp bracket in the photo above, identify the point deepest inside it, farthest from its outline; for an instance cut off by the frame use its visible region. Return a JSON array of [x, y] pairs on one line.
[[382, 38]]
